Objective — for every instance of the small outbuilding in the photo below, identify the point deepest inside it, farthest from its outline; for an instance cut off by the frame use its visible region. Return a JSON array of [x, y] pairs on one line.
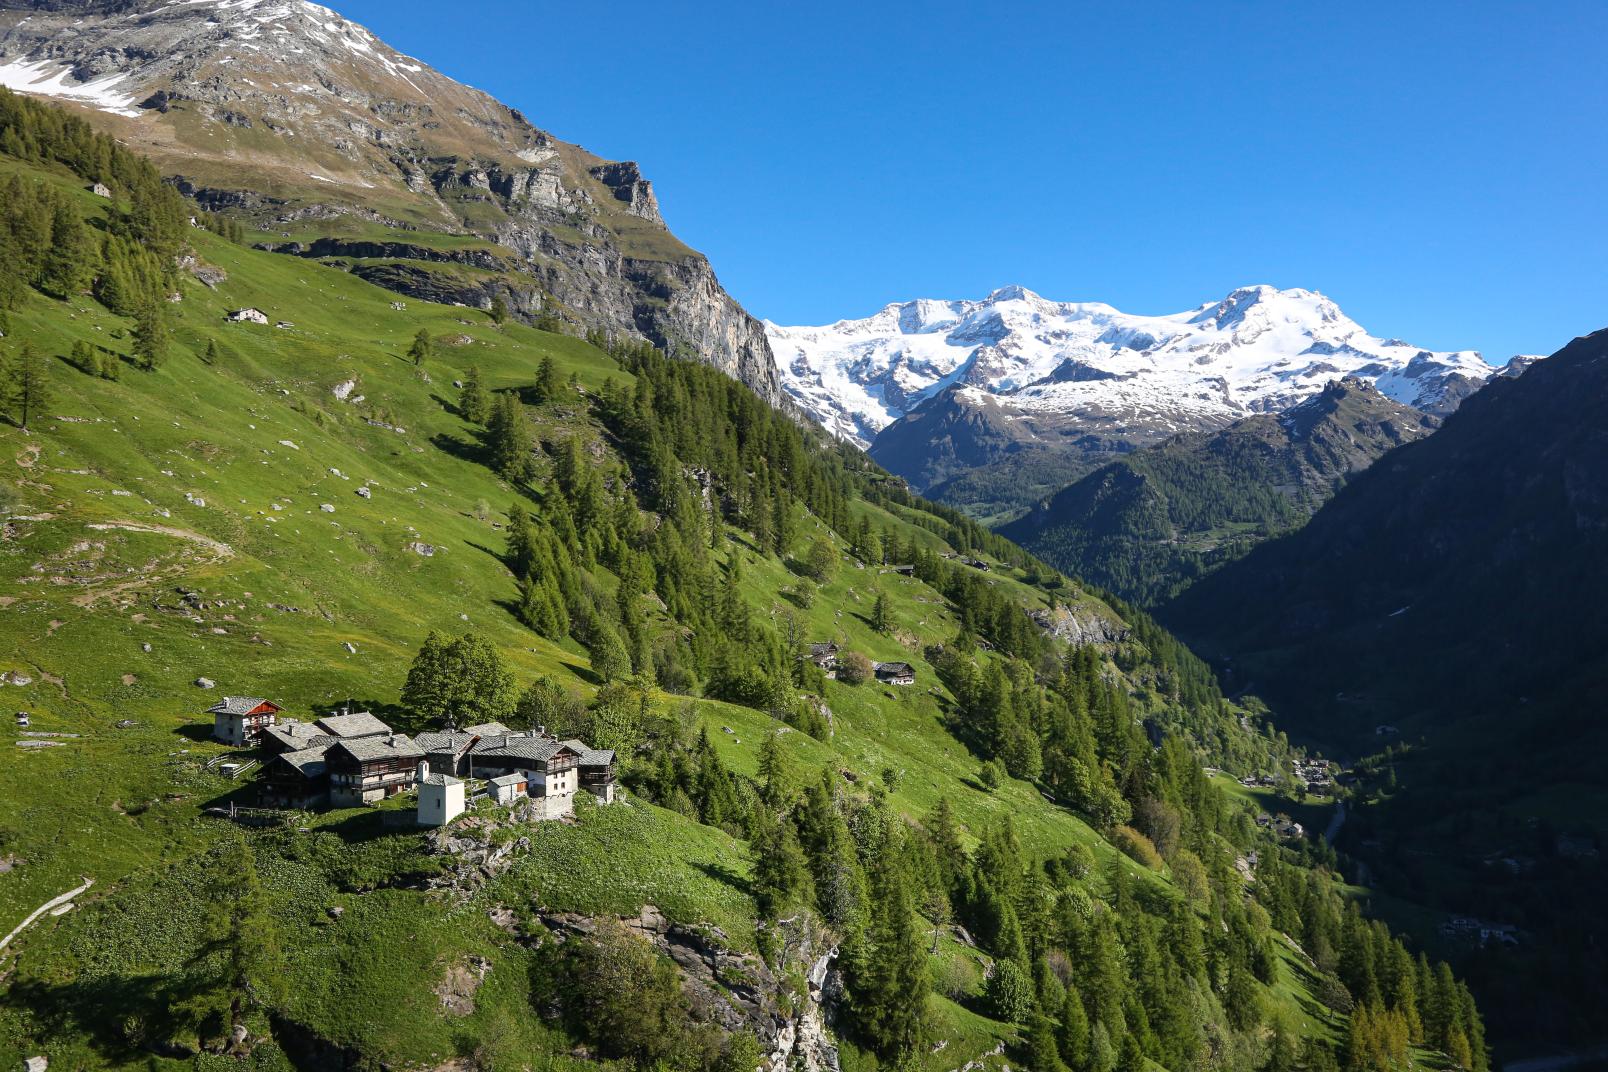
[[441, 797], [507, 788]]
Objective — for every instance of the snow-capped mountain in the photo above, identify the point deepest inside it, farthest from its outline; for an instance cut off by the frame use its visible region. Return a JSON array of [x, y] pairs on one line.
[[1052, 364], [287, 113]]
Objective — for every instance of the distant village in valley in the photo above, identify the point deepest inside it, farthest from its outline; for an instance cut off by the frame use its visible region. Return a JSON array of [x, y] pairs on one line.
[[353, 758]]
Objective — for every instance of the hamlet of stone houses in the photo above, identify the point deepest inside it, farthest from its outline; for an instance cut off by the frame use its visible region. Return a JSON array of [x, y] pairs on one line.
[[352, 758]]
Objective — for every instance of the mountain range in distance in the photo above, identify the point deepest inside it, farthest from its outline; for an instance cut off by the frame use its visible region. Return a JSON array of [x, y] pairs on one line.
[[996, 403]]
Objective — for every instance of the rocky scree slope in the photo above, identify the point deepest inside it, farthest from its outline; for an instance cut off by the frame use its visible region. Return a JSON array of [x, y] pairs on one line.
[[307, 124]]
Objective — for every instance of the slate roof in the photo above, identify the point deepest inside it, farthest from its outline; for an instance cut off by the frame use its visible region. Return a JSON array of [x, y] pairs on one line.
[[818, 650], [519, 746], [239, 705], [298, 735], [309, 762], [895, 669], [453, 741], [488, 729], [356, 724], [592, 757], [508, 779], [440, 779], [391, 746]]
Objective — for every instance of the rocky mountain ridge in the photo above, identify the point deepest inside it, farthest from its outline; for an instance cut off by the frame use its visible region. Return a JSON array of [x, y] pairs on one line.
[[308, 125], [1146, 525], [1258, 350]]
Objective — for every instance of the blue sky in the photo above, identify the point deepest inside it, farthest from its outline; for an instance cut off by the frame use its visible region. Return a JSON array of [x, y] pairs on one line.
[[1436, 168]]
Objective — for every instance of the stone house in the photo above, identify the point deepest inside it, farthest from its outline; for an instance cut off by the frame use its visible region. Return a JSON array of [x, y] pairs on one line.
[[241, 720], [895, 673], [441, 797], [364, 770]]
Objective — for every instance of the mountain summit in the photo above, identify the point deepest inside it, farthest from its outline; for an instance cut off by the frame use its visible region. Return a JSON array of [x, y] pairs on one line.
[[1139, 378], [317, 131]]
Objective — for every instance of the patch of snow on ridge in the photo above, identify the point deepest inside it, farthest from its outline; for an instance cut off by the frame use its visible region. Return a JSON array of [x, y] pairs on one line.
[[38, 78], [1259, 349]]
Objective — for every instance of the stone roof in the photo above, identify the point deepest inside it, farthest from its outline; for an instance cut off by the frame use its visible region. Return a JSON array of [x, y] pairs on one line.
[[454, 741], [507, 780], [390, 746], [309, 762], [488, 729], [529, 746], [239, 705], [296, 735], [440, 779], [894, 668], [356, 724], [592, 757]]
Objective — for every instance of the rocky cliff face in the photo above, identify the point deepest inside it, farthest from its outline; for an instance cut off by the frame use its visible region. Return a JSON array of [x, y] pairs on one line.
[[285, 113]]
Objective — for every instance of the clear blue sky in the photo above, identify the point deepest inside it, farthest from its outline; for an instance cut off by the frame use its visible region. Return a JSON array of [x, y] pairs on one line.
[[1436, 168]]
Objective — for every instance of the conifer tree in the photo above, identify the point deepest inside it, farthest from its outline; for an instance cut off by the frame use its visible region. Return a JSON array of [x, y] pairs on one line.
[[70, 261], [472, 399], [239, 966], [890, 989], [420, 350], [508, 434], [150, 335], [499, 309], [27, 386], [1072, 1035], [546, 380], [881, 615]]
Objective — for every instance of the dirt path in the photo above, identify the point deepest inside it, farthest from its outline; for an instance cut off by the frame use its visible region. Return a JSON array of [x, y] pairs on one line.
[[46, 907], [217, 547], [219, 552]]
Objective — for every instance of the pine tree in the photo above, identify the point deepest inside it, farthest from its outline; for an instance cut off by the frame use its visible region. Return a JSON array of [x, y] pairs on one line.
[[546, 380], [150, 335], [881, 615], [890, 990], [420, 350], [508, 434], [1072, 1036], [780, 871], [211, 355], [1043, 1055], [70, 261], [499, 310], [472, 401], [239, 966], [27, 386]]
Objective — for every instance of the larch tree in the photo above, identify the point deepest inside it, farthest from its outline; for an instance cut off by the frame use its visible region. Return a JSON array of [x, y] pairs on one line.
[[27, 387]]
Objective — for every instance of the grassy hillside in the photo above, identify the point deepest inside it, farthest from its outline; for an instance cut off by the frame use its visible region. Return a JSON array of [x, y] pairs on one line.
[[1150, 524], [202, 519]]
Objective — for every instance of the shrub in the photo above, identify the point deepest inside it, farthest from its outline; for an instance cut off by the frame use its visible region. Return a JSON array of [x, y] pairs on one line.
[[854, 669], [1137, 847], [1009, 993]]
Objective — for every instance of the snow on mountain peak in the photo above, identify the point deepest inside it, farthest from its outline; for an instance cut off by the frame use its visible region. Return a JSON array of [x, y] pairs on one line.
[[1258, 349]]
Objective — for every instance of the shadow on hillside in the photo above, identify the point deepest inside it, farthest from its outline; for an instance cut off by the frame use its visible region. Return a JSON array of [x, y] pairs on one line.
[[110, 1012], [195, 731], [726, 876], [462, 449]]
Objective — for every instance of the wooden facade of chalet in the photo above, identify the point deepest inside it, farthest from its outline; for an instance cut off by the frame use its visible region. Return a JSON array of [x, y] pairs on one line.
[[367, 769], [895, 673], [241, 720]]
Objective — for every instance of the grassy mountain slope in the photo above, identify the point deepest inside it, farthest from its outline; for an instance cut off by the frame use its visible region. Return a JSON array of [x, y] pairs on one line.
[[1455, 594], [1148, 525], [183, 508]]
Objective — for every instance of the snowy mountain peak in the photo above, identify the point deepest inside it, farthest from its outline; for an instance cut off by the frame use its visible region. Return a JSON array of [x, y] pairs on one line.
[[1258, 349]]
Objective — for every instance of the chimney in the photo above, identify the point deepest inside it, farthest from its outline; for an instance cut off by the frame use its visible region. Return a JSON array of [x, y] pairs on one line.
[[424, 769]]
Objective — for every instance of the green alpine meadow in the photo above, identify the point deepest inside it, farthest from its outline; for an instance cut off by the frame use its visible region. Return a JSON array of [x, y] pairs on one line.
[[442, 630]]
